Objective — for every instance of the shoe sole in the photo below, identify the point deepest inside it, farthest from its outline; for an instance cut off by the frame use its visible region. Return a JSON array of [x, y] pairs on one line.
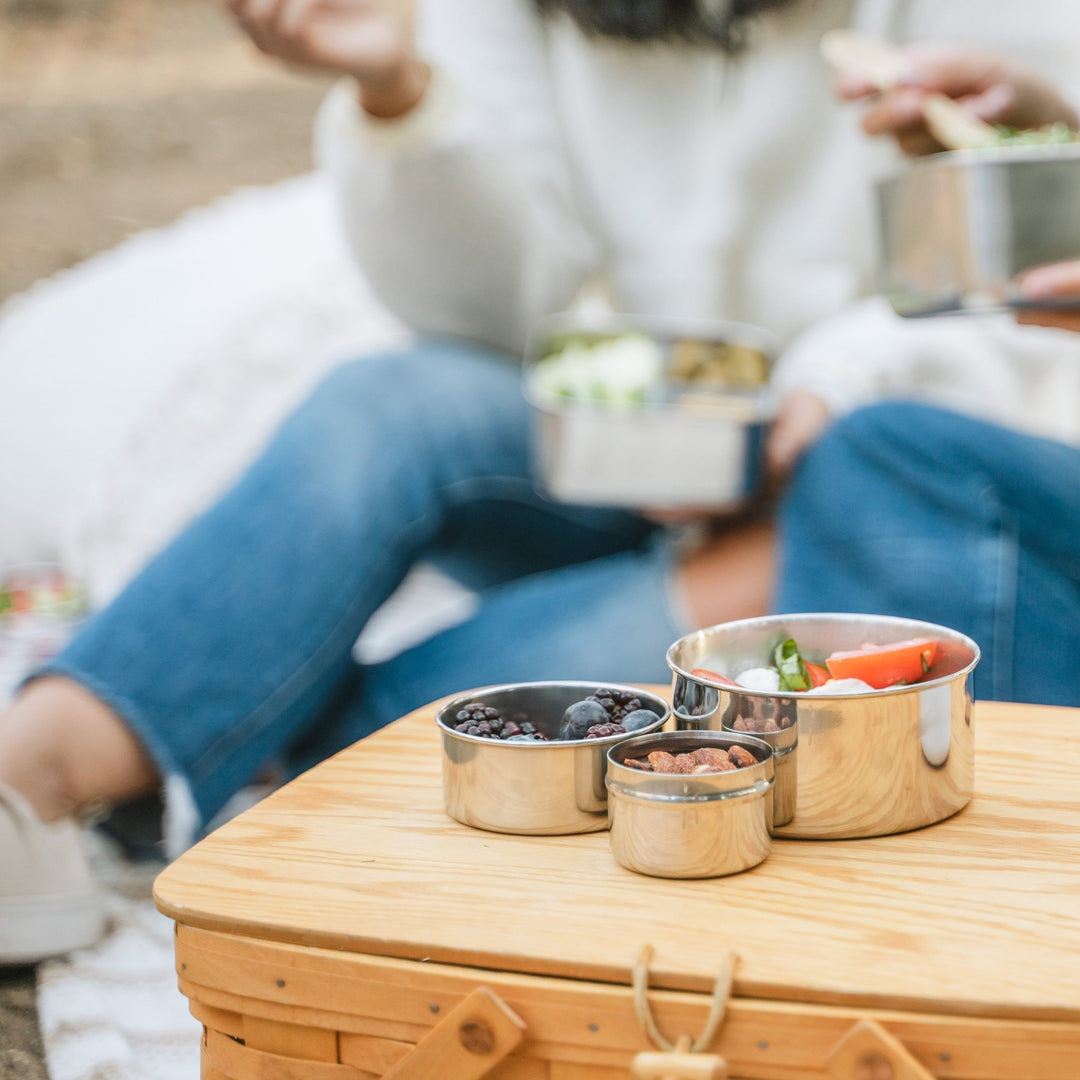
[[34, 928]]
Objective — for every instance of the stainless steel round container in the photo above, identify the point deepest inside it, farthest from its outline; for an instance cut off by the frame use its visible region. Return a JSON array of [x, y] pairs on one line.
[[532, 788], [955, 229], [697, 826], [684, 449], [865, 764]]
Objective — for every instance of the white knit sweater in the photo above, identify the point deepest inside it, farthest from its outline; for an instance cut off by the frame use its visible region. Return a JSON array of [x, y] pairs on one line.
[[688, 183]]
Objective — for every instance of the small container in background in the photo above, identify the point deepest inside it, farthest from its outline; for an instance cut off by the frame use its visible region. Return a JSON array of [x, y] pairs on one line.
[[41, 607], [649, 412]]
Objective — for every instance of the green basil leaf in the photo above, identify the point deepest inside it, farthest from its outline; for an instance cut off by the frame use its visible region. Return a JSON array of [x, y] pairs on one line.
[[793, 673]]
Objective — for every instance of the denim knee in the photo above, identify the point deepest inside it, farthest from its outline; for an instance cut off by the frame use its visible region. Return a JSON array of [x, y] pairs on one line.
[[864, 434], [401, 412]]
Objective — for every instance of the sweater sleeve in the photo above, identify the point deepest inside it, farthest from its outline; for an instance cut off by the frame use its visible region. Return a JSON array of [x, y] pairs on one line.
[[461, 213], [1020, 376]]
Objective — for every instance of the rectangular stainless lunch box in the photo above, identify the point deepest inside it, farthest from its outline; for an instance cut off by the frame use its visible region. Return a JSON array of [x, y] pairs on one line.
[[700, 448], [955, 229]]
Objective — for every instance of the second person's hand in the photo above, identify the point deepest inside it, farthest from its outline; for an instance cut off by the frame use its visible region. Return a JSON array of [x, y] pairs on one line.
[[990, 87], [1053, 283], [366, 40]]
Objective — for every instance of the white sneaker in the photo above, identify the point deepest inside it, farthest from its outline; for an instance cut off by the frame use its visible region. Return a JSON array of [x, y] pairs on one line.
[[49, 903]]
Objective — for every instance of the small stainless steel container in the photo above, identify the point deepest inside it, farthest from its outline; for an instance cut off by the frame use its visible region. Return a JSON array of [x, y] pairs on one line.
[[695, 448], [956, 228], [868, 764], [697, 826], [537, 788]]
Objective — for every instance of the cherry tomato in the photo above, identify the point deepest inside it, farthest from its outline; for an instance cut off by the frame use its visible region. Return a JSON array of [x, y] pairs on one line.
[[885, 665], [712, 676], [817, 673]]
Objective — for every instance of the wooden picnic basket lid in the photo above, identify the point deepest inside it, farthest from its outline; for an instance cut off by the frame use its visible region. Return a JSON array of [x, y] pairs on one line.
[[977, 916]]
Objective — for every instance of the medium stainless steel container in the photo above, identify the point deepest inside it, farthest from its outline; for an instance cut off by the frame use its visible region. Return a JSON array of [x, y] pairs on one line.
[[532, 788], [697, 826], [868, 764], [695, 449], [956, 228]]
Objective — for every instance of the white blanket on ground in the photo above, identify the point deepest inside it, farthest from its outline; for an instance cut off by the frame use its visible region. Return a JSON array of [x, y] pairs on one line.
[[113, 1012], [135, 387]]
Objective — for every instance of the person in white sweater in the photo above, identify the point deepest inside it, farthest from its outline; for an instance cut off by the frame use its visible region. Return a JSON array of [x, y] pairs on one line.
[[687, 159]]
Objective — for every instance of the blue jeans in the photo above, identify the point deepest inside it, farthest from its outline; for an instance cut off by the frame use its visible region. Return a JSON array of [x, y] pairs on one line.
[[232, 648], [902, 509]]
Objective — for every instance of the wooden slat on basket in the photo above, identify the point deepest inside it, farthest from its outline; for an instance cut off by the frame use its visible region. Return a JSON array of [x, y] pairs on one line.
[[384, 999]]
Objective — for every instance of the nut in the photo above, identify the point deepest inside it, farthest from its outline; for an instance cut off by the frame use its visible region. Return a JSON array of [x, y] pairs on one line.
[[706, 759], [741, 757], [662, 761], [717, 759]]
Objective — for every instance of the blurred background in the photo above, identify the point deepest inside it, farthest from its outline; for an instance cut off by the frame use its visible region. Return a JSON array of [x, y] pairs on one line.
[[116, 115]]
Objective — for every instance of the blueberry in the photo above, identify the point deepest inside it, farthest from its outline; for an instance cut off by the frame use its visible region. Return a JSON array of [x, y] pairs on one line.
[[639, 718], [581, 716]]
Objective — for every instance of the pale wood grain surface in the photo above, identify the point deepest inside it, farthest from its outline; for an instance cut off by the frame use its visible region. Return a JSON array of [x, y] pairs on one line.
[[978, 915]]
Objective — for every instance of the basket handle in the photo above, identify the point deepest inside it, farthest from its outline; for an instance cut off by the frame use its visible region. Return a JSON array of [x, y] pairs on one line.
[[869, 1052], [466, 1044]]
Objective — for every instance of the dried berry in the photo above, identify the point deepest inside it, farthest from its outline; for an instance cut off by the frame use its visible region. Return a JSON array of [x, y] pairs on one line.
[[639, 718], [616, 703], [602, 731], [581, 716], [476, 718]]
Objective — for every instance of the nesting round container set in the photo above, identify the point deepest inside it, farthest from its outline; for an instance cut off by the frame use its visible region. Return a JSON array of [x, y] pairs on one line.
[[646, 412], [806, 765]]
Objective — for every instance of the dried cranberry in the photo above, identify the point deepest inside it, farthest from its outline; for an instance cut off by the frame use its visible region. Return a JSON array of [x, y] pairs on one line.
[[602, 731]]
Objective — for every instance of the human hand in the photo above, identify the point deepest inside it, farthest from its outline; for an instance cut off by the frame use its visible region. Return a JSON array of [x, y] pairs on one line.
[[364, 39], [802, 417], [989, 87], [1056, 282]]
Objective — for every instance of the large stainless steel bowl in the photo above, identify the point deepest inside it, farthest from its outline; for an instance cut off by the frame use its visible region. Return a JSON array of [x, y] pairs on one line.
[[540, 788], [868, 764], [693, 448], [956, 228]]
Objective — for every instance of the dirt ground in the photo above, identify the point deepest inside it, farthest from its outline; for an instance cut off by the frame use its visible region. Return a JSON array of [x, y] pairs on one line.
[[116, 115]]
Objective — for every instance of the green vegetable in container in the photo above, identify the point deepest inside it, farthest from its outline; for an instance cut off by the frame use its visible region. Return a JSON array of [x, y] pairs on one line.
[[793, 673]]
